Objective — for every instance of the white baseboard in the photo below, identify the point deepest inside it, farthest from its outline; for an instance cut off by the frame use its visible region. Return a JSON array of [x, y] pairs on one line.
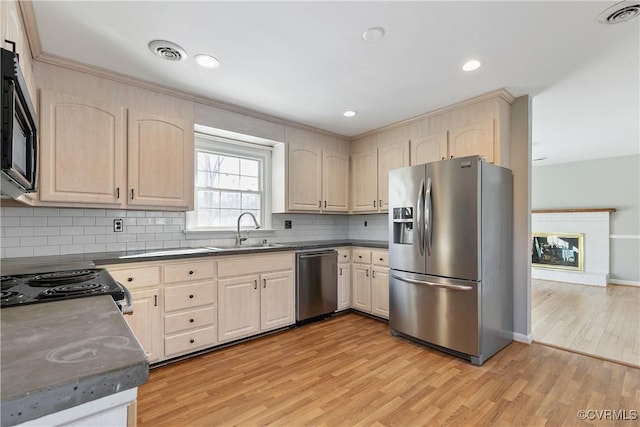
[[624, 282], [527, 339]]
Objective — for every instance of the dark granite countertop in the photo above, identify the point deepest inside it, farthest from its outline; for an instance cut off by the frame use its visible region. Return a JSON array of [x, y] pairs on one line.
[[90, 260], [61, 354]]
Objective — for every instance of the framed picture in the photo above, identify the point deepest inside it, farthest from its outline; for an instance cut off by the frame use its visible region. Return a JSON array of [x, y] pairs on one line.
[[558, 250]]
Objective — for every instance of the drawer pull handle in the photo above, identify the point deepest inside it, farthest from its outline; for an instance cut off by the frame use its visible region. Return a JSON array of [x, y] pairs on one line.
[[264, 283], [190, 271], [191, 296], [191, 320], [373, 274], [255, 284], [192, 340], [367, 272], [155, 300], [129, 279], [341, 271]]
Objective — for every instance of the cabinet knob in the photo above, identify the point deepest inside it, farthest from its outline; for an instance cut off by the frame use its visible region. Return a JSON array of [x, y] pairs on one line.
[[129, 279], [192, 340], [191, 320], [190, 271], [360, 256], [191, 296], [381, 259]]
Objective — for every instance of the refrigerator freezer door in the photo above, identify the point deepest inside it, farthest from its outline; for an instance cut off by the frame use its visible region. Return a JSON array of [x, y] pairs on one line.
[[440, 311], [453, 219], [406, 219]]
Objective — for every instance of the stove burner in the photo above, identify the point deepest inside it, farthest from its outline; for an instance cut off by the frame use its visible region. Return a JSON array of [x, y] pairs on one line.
[[63, 276], [9, 296], [72, 289], [7, 282]]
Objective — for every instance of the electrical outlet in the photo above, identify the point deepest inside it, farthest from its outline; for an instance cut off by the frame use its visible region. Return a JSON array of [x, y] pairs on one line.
[[287, 224], [118, 225], [365, 223]]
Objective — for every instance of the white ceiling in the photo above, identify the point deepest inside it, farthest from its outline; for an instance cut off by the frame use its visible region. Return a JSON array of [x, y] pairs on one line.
[[307, 62]]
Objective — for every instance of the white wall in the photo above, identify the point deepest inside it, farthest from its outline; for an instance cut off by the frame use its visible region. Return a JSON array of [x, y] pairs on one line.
[[604, 183]]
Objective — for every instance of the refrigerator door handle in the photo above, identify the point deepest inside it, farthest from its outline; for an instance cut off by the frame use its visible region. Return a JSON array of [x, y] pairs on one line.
[[428, 217], [420, 217], [436, 285]]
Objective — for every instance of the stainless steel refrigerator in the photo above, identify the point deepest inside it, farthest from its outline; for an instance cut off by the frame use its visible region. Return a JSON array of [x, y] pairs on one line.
[[450, 255]]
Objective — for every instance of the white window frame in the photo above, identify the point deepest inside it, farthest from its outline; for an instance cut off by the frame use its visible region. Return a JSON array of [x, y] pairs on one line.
[[225, 146]]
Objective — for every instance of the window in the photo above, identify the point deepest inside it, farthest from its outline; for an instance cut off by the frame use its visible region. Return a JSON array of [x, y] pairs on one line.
[[230, 179]]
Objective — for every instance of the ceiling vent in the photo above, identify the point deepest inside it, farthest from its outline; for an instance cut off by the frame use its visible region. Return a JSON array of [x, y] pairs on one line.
[[167, 50], [620, 12]]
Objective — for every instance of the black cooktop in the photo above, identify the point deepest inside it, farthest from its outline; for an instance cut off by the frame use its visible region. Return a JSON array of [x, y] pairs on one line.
[[43, 287]]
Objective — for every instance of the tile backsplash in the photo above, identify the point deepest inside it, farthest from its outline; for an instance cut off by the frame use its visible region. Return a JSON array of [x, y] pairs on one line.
[[58, 231]]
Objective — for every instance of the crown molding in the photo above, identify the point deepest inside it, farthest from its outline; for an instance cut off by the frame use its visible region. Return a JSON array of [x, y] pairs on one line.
[[498, 93], [30, 27]]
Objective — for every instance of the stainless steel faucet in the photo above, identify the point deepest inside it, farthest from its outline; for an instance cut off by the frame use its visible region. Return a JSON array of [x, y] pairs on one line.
[[240, 239]]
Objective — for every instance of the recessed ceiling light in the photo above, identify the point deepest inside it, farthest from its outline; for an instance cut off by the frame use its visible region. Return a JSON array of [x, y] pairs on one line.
[[373, 34], [207, 61], [349, 113], [471, 65]]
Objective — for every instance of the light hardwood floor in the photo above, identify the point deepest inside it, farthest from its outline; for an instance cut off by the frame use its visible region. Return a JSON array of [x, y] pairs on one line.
[[350, 371], [604, 322]]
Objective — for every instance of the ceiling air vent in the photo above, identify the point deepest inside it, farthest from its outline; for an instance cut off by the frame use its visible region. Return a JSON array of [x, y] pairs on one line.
[[620, 12], [167, 50]]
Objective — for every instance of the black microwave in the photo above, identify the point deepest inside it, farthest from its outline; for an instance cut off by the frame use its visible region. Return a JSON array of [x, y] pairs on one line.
[[19, 130]]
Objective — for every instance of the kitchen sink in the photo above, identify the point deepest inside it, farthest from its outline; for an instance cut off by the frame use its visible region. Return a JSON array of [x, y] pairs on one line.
[[246, 247]]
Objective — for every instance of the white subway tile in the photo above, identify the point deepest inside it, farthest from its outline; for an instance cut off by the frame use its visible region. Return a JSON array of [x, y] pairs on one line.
[[10, 221], [130, 221], [96, 247], [106, 238], [145, 237], [33, 221], [153, 245], [94, 212], [10, 242], [71, 212], [153, 214], [153, 229], [46, 231], [18, 252], [46, 212], [18, 212], [60, 221], [126, 238], [95, 230], [83, 240], [161, 221], [135, 246], [59, 240], [170, 229], [116, 213], [33, 241], [116, 247], [135, 214], [135, 229], [171, 244], [144, 221], [107, 222], [84, 221], [71, 231], [18, 231], [46, 250]]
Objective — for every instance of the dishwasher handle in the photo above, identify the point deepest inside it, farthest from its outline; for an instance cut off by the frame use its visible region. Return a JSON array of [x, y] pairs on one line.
[[316, 254]]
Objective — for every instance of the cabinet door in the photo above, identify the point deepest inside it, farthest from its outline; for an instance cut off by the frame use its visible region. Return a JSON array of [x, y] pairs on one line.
[[305, 178], [361, 287], [473, 139], [429, 148], [380, 292], [277, 300], [335, 182], [364, 182], [160, 161], [82, 150], [146, 322], [238, 307], [389, 158], [344, 286]]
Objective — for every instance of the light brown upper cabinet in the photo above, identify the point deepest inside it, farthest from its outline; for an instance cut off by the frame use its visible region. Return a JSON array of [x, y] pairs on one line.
[[91, 157], [429, 148], [160, 165], [476, 138], [370, 176], [318, 180]]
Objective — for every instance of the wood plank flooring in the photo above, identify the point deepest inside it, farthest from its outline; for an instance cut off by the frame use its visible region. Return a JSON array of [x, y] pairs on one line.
[[604, 322], [349, 371]]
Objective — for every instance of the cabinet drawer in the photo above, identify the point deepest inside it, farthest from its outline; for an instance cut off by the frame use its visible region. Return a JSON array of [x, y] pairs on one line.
[[190, 271], [344, 255], [190, 320], [255, 264], [187, 296], [190, 341], [137, 277], [380, 258], [361, 255]]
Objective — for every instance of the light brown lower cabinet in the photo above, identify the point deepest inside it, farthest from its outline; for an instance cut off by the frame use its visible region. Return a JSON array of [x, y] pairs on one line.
[[370, 281]]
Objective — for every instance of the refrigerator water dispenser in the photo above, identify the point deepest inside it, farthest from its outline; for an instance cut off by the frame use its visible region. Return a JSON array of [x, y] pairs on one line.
[[403, 225]]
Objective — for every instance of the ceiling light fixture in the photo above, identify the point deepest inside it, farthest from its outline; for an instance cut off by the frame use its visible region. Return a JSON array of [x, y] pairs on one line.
[[206, 61], [349, 113], [471, 65], [373, 34]]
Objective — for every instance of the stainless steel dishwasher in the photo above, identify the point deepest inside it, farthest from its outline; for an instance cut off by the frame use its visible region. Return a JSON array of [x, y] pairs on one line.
[[316, 284]]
